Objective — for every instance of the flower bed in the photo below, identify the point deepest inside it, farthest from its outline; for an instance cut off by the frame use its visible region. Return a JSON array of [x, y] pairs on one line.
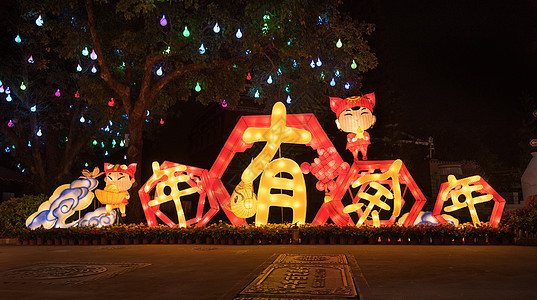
[[222, 233]]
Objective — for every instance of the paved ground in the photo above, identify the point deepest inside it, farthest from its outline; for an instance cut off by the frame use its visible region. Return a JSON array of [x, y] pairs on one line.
[[220, 272]]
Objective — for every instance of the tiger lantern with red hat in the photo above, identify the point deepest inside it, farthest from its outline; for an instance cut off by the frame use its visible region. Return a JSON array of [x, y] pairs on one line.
[[119, 179], [355, 116]]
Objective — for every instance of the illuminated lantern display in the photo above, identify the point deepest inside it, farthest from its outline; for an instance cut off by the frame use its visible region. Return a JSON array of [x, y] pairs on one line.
[[275, 135], [118, 179], [468, 188], [169, 174], [64, 202], [393, 173], [326, 168], [355, 116], [269, 180]]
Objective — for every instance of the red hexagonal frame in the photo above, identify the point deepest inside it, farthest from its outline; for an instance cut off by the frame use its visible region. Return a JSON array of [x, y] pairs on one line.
[[497, 210]]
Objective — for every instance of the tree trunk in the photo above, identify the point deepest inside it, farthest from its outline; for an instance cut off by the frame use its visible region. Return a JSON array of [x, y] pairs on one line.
[[135, 212]]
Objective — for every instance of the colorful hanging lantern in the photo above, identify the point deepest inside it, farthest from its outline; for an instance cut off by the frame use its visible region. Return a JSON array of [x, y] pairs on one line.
[[163, 21]]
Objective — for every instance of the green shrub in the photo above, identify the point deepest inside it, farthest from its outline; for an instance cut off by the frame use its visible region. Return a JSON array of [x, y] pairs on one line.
[[15, 211]]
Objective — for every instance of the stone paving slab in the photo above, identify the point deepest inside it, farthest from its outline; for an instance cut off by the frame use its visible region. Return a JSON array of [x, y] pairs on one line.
[[222, 272], [297, 276]]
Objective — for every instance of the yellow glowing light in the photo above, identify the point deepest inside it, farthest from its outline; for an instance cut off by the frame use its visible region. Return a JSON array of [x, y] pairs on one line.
[[393, 173], [374, 200], [275, 135], [466, 189], [174, 177], [297, 202]]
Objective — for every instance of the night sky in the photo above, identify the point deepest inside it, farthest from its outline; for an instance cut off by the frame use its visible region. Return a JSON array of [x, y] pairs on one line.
[[456, 71]]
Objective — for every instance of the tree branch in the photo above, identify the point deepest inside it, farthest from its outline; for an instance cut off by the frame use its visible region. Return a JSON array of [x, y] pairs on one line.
[[121, 89]]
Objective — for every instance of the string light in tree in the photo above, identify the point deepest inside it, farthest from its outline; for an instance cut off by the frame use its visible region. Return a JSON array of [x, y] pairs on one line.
[[93, 55], [337, 73], [312, 64], [77, 94], [111, 103], [159, 72], [224, 103], [198, 87], [82, 120], [7, 149], [8, 90], [216, 28], [269, 79], [94, 142], [248, 77], [18, 39], [31, 59], [23, 87], [333, 82], [161, 122], [94, 69], [347, 85], [319, 62], [257, 95], [202, 49], [354, 65], [186, 33], [29, 144], [39, 133], [288, 100], [39, 21], [1, 89], [57, 93], [163, 21], [8, 98], [10, 123], [78, 68], [33, 108], [85, 51], [238, 34], [339, 44]]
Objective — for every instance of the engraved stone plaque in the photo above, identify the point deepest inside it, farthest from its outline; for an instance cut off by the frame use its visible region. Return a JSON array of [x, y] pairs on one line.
[[294, 276]]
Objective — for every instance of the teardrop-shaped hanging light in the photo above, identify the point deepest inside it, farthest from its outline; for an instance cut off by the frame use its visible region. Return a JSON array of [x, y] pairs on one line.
[[85, 51], [31, 59], [248, 77], [319, 62], [347, 85], [159, 71], [312, 64], [77, 95], [332, 82], [57, 93], [288, 99], [186, 33], [269, 80], [22, 87], [33, 108], [198, 87], [257, 95], [8, 90], [18, 39], [1, 88], [163, 21], [8, 98], [93, 69], [354, 65], [216, 28], [78, 68], [238, 34], [39, 21], [111, 103], [161, 121], [337, 73], [224, 103], [202, 49], [339, 44], [82, 120], [39, 133], [93, 55]]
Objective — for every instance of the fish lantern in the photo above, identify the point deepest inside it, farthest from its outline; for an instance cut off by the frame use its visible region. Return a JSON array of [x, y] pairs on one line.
[[119, 179]]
